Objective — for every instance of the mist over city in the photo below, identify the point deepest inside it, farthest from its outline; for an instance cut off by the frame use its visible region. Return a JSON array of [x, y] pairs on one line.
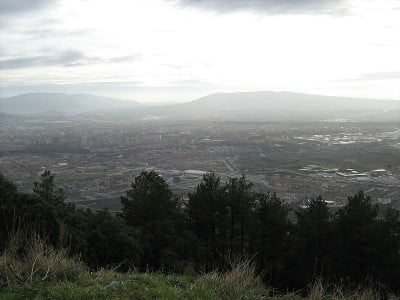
[[201, 138]]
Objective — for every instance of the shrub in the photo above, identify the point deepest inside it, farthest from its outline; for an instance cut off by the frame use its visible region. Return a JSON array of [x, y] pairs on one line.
[[240, 282], [319, 291], [31, 260]]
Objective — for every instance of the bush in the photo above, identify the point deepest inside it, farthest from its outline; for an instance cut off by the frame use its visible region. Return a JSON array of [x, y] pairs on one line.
[[240, 282], [31, 260], [319, 291]]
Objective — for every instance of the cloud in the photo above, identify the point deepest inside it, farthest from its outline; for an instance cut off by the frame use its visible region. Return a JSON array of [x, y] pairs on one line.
[[270, 6], [45, 30], [70, 58], [188, 82], [380, 76], [126, 58], [9, 7], [65, 58]]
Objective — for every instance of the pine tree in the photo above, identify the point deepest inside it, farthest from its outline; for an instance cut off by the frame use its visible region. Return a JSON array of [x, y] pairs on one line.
[[240, 202], [46, 189], [273, 233], [356, 238], [208, 213], [150, 199], [151, 207], [313, 239]]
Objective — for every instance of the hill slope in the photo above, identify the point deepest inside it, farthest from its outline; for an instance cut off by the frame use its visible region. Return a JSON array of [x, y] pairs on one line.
[[245, 106], [286, 106], [65, 103]]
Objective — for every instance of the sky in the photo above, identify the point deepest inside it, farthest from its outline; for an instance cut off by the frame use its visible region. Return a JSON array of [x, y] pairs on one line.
[[159, 51]]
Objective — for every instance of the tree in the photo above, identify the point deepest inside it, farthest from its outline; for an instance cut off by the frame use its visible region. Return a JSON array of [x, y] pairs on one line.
[[150, 199], [26, 212], [313, 239], [46, 189], [7, 190], [390, 246], [271, 231], [208, 215], [111, 242], [151, 207], [74, 231], [357, 238], [240, 202], [392, 222], [8, 194]]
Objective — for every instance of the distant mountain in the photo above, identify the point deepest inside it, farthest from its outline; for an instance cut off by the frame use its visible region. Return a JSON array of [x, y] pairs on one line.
[[245, 106], [286, 106], [64, 103], [11, 118]]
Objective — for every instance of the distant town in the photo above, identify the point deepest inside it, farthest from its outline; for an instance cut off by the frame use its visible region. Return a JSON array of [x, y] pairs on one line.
[[96, 163]]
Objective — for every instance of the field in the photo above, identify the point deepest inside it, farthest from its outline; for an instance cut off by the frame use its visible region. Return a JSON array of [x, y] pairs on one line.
[[362, 158]]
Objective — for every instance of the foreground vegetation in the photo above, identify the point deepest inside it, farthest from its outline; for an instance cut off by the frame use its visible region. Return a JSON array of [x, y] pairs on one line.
[[37, 271], [221, 222], [110, 285]]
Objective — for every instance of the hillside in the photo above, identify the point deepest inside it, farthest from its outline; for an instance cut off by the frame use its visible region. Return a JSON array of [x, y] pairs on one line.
[[245, 106], [273, 106], [286, 106], [65, 103]]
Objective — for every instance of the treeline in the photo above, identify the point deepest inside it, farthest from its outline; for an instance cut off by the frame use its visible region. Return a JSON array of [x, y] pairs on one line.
[[221, 222]]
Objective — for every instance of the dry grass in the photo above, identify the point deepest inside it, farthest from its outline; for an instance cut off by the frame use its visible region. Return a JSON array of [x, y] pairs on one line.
[[30, 260], [319, 291], [240, 282], [27, 262]]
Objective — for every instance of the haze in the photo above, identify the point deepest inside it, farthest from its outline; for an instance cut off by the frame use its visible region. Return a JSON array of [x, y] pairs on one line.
[[175, 51]]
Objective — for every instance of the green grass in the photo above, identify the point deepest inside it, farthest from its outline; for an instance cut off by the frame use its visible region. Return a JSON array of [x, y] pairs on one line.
[[107, 285], [44, 273], [110, 285], [143, 286], [30, 269]]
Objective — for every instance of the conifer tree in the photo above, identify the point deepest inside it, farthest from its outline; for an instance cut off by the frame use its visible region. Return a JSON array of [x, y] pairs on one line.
[[356, 238], [207, 210], [46, 189], [240, 202], [150, 199], [272, 234], [313, 237]]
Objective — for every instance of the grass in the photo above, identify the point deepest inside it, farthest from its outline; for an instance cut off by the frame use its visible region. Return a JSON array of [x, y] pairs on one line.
[[105, 285], [320, 292], [237, 284], [27, 261], [33, 270], [111, 285]]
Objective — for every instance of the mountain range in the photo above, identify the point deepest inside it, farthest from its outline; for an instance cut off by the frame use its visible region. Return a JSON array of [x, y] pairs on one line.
[[64, 103], [265, 105]]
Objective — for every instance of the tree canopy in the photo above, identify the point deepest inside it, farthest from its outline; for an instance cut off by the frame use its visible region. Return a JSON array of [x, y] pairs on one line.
[[222, 220]]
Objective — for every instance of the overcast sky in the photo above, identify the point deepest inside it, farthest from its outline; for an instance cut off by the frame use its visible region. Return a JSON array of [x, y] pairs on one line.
[[178, 50]]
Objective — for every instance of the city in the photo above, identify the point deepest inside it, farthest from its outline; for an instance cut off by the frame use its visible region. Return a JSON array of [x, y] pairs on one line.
[[97, 162]]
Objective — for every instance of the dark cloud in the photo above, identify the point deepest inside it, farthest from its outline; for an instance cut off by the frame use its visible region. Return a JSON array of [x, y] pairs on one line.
[[46, 31], [9, 7], [66, 58], [380, 76], [270, 6]]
